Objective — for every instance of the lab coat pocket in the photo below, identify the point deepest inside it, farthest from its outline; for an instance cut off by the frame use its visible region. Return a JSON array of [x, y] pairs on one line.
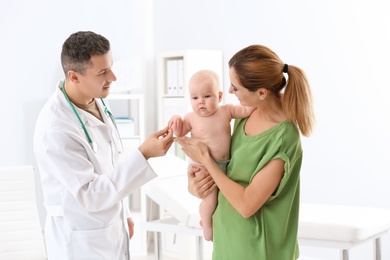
[[92, 244]]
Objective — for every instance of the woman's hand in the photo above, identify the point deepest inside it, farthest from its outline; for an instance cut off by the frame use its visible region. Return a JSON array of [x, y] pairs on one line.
[[195, 149], [200, 184]]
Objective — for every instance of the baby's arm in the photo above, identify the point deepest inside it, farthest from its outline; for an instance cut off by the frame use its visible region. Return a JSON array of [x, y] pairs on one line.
[[239, 111], [186, 128]]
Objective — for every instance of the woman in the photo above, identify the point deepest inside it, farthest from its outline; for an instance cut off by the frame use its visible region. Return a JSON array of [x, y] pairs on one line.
[[258, 201]]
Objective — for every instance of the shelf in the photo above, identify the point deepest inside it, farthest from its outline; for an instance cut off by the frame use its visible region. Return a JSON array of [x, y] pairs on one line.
[[120, 96], [173, 96], [134, 108]]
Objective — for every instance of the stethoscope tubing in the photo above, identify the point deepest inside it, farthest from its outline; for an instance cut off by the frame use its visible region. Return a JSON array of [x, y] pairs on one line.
[[106, 111]]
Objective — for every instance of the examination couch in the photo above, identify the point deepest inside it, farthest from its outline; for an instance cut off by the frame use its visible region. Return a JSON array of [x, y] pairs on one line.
[[330, 226]]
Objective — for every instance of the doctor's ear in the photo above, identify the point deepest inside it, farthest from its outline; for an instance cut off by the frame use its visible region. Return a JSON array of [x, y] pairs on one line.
[[72, 76]]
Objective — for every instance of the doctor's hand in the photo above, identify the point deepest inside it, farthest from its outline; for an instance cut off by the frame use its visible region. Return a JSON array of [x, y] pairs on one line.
[[200, 184], [130, 223], [157, 144]]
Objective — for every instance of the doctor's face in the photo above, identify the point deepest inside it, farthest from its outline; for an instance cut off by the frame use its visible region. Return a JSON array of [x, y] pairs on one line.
[[95, 82]]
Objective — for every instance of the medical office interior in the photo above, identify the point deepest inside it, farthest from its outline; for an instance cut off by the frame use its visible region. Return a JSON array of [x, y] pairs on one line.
[[343, 46]]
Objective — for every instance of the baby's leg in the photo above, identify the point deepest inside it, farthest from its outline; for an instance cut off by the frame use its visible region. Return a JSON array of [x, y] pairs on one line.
[[206, 209]]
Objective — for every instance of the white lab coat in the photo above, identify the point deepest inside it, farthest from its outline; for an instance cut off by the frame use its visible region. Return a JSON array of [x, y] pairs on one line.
[[83, 190]]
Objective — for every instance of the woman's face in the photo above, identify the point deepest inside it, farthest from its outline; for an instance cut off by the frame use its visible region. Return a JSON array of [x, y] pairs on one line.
[[245, 97]]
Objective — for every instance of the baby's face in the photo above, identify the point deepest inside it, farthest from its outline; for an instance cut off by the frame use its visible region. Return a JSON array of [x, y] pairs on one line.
[[205, 97]]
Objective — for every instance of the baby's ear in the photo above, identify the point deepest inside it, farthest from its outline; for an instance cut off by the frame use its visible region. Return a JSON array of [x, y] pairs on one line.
[[220, 93]]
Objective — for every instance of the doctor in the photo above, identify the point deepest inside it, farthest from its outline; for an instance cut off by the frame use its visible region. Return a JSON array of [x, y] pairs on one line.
[[77, 148]]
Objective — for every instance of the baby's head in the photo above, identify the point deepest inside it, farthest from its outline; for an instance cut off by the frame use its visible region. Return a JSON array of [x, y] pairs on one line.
[[205, 92]]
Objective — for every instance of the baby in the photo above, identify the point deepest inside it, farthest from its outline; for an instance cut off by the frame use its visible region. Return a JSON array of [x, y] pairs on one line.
[[210, 123]]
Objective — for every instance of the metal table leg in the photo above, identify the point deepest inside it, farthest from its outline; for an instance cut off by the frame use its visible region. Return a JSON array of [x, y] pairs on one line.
[[377, 249], [344, 254]]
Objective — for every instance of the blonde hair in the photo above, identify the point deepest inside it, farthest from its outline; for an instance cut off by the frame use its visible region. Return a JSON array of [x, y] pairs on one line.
[[257, 66]]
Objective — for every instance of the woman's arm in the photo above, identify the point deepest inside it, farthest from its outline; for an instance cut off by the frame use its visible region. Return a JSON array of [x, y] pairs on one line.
[[246, 200]]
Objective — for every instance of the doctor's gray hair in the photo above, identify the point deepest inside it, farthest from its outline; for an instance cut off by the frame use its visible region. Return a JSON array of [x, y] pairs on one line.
[[78, 49]]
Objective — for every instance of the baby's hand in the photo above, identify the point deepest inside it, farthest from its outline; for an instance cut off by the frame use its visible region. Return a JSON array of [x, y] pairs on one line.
[[176, 124]]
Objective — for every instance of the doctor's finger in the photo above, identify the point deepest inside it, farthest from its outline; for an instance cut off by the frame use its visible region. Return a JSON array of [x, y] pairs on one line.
[[161, 133], [168, 144], [165, 142], [169, 134]]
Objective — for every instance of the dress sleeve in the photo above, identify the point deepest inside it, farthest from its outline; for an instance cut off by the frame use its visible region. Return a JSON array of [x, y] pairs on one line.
[[290, 152]]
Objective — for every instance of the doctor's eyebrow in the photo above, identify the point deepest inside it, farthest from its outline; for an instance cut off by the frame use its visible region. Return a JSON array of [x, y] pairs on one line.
[[106, 69], [103, 70]]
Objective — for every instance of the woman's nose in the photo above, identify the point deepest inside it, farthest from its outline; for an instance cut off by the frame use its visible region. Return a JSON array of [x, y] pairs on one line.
[[231, 89]]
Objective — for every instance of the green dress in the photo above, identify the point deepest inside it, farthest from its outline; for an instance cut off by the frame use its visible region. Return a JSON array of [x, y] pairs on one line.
[[271, 233]]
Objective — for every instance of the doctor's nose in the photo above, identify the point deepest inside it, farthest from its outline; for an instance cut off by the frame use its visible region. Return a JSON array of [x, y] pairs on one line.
[[112, 76]]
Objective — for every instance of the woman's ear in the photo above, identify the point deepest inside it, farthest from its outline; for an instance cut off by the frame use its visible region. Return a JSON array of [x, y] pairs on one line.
[[262, 93]]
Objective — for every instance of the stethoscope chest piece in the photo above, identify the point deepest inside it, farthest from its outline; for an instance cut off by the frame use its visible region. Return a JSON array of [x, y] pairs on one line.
[[94, 147]]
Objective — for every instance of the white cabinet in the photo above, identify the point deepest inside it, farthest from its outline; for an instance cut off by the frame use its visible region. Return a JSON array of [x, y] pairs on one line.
[[175, 69], [129, 114]]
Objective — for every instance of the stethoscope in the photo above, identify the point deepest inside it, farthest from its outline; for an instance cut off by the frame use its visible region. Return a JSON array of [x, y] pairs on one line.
[[107, 112]]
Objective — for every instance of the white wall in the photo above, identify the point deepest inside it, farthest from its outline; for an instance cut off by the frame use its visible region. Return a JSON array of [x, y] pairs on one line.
[[32, 34], [342, 46]]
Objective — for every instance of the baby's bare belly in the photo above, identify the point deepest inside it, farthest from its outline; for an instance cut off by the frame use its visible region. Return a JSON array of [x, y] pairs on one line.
[[219, 147]]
